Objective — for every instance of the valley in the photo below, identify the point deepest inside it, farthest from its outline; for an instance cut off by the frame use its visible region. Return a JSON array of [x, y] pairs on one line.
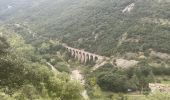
[[85, 50]]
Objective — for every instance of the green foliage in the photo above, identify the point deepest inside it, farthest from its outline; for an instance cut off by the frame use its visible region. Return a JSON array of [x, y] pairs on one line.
[[152, 96], [94, 25], [147, 25], [114, 79], [15, 70], [3, 45], [23, 79], [161, 70], [4, 96], [141, 75], [64, 89], [119, 97], [63, 68], [159, 96], [27, 92], [20, 48], [94, 90], [113, 82]]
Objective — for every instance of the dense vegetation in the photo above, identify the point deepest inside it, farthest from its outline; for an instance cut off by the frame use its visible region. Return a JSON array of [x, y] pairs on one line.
[[110, 78], [111, 83], [98, 26], [24, 74]]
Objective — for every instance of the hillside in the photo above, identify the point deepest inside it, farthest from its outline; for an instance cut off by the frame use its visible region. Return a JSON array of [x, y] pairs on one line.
[[101, 26], [131, 36]]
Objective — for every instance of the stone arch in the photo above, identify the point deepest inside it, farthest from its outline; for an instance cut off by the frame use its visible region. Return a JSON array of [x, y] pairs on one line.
[[90, 57], [83, 56], [96, 58], [79, 55], [69, 50], [73, 52]]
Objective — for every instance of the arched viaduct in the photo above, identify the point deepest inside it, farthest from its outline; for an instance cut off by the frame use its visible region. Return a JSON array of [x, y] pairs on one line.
[[83, 56]]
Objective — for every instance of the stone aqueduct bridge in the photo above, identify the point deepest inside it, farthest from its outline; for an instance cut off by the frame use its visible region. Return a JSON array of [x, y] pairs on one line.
[[83, 56]]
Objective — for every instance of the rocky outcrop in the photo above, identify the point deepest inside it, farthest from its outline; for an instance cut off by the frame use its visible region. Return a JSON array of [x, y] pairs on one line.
[[129, 8], [125, 63]]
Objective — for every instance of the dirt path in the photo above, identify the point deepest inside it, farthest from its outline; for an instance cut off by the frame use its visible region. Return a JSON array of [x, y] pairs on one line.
[[76, 75], [52, 67], [98, 65]]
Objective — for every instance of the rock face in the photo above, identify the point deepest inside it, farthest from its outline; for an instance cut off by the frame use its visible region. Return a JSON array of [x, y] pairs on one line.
[[125, 63], [131, 55], [160, 55]]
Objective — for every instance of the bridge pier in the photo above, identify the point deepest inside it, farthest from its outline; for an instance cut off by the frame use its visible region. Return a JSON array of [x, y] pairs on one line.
[[72, 53], [79, 56], [82, 57], [94, 58], [86, 58], [76, 55]]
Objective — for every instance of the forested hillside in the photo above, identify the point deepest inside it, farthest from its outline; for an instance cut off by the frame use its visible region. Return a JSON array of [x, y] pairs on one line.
[[101, 26], [25, 74]]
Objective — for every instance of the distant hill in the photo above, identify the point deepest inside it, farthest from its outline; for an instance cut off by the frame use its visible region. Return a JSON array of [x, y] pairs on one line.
[[106, 27]]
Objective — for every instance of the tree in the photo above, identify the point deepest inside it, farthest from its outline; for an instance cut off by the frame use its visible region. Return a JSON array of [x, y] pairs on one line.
[[23, 78], [11, 72], [113, 82]]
